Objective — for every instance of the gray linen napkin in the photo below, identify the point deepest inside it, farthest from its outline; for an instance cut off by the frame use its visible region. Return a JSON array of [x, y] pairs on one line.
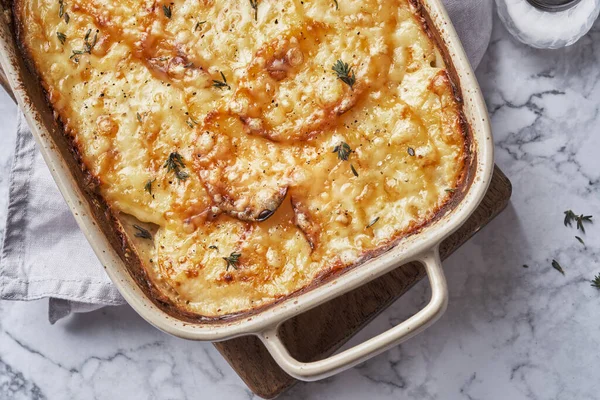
[[45, 255]]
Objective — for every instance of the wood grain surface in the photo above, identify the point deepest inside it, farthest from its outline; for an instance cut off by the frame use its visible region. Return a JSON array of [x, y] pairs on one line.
[[319, 332]]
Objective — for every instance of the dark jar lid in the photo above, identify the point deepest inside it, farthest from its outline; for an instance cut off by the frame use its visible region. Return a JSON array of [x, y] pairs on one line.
[[553, 5]]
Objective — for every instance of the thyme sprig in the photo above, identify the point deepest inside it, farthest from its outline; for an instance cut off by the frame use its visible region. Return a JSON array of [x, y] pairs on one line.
[[167, 11], [142, 233], [175, 164], [596, 282], [221, 84], [232, 260], [344, 73], [343, 151], [87, 45], [570, 216]]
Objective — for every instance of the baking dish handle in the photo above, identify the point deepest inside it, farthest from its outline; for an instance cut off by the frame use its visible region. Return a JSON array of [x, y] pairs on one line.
[[312, 371]]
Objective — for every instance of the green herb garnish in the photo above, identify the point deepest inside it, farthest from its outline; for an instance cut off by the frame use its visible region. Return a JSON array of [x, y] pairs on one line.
[[411, 152], [254, 5], [67, 18], [450, 190], [142, 233], [212, 246], [525, 266], [88, 46], [581, 219], [343, 151], [337, 6], [596, 282], [570, 216], [198, 24], [61, 37], [191, 122], [344, 73], [580, 240], [167, 11], [139, 117], [175, 164], [557, 267], [61, 8], [373, 222], [221, 84], [232, 260], [148, 185], [353, 170]]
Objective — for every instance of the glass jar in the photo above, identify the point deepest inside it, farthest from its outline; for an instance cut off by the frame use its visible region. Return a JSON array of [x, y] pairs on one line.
[[548, 24]]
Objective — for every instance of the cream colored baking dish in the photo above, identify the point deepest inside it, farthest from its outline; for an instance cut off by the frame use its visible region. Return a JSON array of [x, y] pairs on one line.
[[421, 247]]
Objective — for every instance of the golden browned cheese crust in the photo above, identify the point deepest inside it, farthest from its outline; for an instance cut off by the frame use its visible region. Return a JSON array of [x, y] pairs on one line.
[[249, 166]]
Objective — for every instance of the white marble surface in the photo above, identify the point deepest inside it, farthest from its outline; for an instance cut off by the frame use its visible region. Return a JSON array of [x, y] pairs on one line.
[[509, 332]]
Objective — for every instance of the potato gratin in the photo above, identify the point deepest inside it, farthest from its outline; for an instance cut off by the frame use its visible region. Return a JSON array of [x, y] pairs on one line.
[[252, 147]]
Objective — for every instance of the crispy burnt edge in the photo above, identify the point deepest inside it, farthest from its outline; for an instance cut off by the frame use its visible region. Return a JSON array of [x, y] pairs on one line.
[[111, 227]]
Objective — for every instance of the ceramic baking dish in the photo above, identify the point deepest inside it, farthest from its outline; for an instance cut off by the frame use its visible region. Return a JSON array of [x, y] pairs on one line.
[[422, 247]]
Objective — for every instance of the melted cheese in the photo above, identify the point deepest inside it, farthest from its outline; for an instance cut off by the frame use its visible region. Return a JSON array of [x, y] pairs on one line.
[[251, 105]]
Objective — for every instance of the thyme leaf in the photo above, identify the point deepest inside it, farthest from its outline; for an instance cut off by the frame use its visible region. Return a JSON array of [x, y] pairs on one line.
[[344, 73], [254, 5], [557, 267], [191, 122], [353, 170], [232, 260], [142, 233], [167, 11], [221, 84], [198, 25], [373, 222], [343, 151], [148, 185], [61, 37], [411, 151], [596, 282], [139, 117], [67, 18], [61, 8], [525, 266], [337, 6], [580, 240], [450, 190], [175, 164], [212, 246]]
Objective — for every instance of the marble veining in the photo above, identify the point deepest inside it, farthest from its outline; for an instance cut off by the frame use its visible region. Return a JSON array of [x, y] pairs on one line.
[[509, 333]]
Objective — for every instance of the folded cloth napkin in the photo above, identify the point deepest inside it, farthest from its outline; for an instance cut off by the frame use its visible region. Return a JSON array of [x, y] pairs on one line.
[[44, 253]]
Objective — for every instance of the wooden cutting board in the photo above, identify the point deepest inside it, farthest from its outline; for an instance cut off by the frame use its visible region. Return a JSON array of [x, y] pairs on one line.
[[321, 331]]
